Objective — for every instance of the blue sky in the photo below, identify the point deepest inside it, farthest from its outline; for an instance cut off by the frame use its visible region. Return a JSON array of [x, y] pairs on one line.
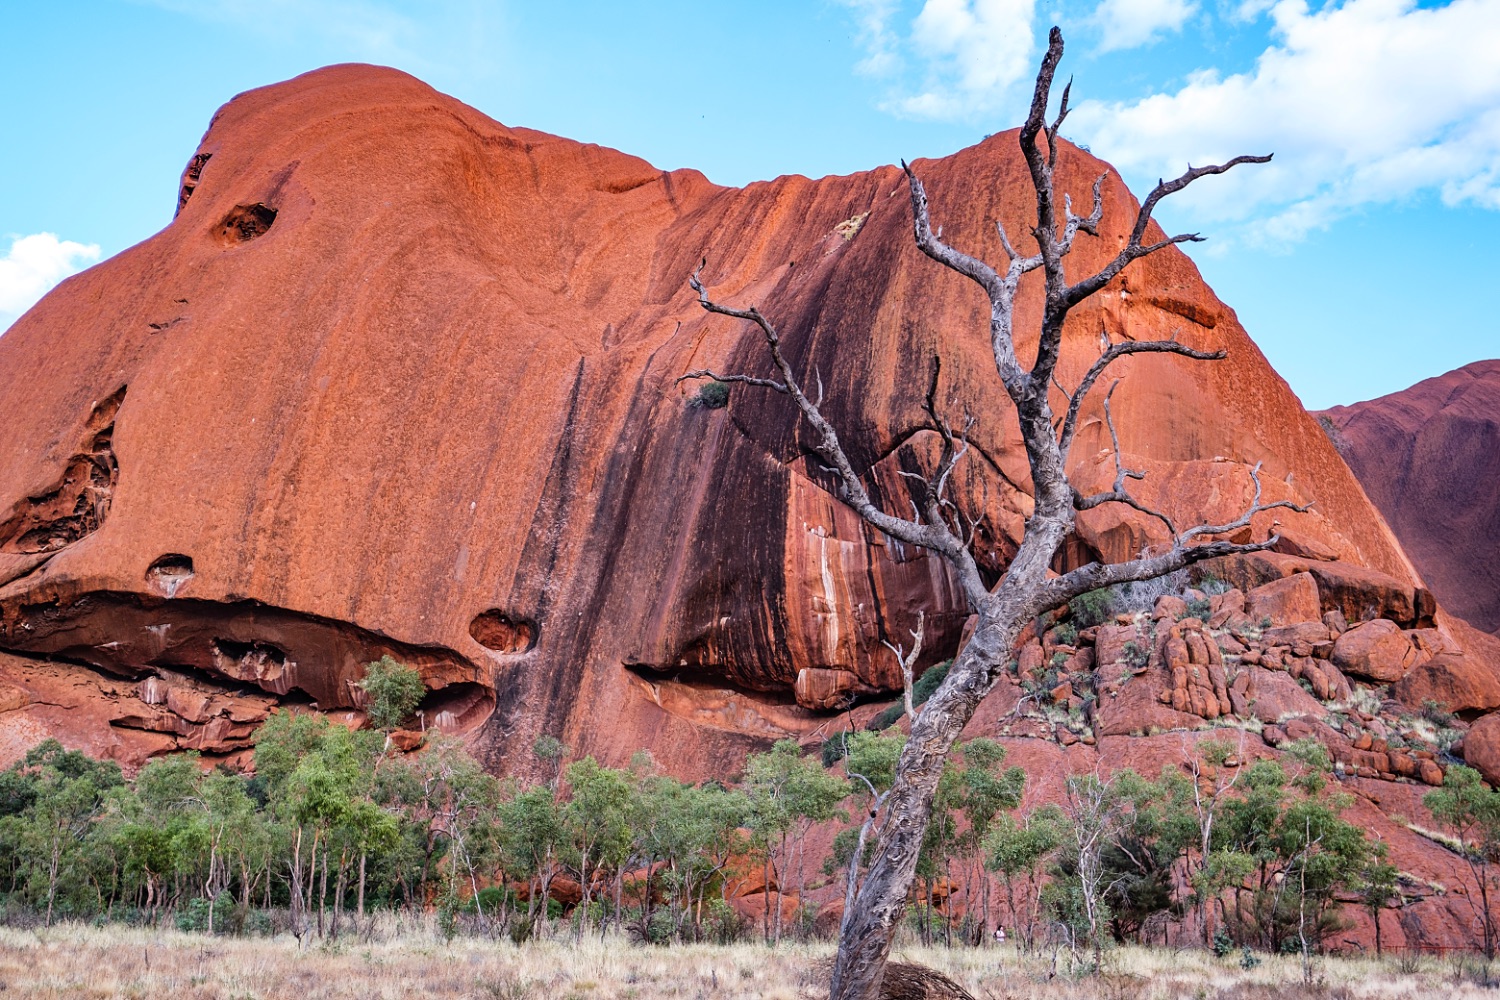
[[1358, 261]]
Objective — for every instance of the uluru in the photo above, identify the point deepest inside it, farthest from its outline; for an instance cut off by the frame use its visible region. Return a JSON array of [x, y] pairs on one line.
[[398, 380]]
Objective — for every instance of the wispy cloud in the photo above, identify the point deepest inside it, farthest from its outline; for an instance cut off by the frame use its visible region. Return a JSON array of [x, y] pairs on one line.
[[1363, 102], [32, 266], [1126, 24], [955, 60], [371, 28]]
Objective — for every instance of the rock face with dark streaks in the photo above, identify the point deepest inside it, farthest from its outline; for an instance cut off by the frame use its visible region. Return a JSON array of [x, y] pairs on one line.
[[401, 380], [1429, 457]]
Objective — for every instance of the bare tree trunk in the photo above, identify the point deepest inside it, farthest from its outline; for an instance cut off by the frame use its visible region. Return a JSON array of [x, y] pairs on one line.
[[938, 524]]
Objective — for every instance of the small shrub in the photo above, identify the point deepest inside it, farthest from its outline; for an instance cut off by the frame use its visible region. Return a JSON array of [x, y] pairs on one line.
[[1136, 655], [1199, 608], [887, 718], [394, 691], [1066, 634], [721, 924], [1248, 959], [1093, 608], [1212, 586], [1437, 714], [1223, 943], [712, 396], [193, 917]]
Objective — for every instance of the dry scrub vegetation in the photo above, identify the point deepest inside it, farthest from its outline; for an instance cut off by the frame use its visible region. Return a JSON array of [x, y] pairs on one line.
[[78, 961]]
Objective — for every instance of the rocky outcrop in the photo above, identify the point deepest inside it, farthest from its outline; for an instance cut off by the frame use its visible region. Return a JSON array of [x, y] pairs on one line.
[[1427, 457], [355, 401]]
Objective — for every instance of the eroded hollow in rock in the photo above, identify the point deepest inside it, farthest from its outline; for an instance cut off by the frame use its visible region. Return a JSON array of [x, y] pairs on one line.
[[169, 573], [289, 654], [78, 502], [245, 222], [190, 178], [457, 707], [502, 632]]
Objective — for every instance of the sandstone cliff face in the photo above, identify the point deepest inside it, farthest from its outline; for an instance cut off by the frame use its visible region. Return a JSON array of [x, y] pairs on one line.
[[1429, 457], [401, 379]]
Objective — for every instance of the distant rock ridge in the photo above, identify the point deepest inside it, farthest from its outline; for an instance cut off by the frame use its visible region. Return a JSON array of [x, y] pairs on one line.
[[1429, 458]]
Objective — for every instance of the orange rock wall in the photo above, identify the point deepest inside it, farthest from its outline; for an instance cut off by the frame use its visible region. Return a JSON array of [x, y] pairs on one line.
[[399, 375]]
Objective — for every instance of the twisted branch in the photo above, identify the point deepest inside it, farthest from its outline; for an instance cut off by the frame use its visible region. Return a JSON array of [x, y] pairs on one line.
[[935, 534]]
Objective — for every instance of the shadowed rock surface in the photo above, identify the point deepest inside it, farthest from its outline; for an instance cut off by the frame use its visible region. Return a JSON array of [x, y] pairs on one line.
[[1429, 457]]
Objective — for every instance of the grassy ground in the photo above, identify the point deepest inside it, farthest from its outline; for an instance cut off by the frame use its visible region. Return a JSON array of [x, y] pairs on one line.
[[84, 962]]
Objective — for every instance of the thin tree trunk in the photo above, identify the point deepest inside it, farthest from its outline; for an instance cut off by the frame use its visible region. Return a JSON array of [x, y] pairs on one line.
[[865, 939]]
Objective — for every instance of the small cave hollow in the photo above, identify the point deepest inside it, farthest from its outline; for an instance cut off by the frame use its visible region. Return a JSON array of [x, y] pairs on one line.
[[169, 573], [255, 662], [457, 707], [503, 632], [246, 222]]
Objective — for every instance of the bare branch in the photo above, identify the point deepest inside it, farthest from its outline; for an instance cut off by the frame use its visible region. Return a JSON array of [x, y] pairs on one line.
[[933, 246], [1119, 494], [1088, 224], [1182, 553], [1243, 521], [764, 383], [1000, 290], [1133, 249], [1109, 357], [935, 536], [908, 662]]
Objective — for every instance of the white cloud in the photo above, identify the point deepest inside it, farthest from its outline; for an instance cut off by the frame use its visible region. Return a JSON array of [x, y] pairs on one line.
[[1364, 102], [369, 28], [881, 44], [1125, 24], [32, 266], [957, 59]]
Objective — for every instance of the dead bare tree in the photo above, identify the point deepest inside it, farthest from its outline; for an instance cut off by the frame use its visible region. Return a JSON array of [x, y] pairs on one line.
[[1026, 589]]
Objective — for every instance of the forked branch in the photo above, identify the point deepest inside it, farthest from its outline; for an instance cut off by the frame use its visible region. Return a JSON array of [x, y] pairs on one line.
[[1181, 553], [908, 661], [1113, 353], [934, 533]]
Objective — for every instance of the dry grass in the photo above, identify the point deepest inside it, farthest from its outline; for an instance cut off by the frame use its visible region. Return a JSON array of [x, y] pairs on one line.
[[83, 962]]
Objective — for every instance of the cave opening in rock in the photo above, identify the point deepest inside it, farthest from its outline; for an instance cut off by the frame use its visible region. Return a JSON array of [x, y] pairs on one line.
[[169, 573], [246, 222], [503, 632], [456, 707]]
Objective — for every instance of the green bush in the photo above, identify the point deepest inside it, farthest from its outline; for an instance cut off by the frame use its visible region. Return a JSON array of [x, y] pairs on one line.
[[713, 396], [1093, 608], [194, 916], [394, 689]]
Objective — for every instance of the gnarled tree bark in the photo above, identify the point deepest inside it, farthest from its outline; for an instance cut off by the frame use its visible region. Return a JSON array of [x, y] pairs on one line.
[[1026, 590]]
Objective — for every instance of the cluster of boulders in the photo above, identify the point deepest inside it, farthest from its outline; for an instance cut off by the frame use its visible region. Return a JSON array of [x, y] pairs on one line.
[[198, 715], [1386, 692]]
